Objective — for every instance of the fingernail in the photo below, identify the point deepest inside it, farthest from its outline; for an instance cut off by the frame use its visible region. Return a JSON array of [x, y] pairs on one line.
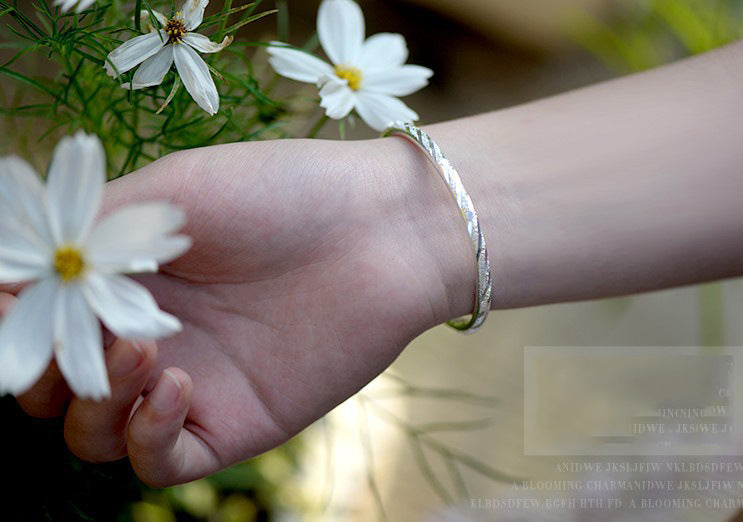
[[165, 395], [126, 359]]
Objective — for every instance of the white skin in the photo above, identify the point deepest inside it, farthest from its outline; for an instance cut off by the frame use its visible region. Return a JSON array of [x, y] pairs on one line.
[[315, 263]]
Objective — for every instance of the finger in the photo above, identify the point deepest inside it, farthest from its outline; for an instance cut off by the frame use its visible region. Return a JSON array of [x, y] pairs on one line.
[[12, 288], [97, 431], [161, 450], [50, 395], [7, 302]]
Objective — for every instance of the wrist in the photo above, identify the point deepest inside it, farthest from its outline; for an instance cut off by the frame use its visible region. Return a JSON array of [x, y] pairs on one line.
[[425, 227]]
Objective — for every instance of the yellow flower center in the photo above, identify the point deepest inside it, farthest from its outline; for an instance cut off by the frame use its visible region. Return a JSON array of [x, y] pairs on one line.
[[351, 74], [69, 263], [175, 28]]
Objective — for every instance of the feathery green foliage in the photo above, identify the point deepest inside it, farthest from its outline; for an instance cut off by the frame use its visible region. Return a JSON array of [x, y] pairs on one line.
[[74, 92]]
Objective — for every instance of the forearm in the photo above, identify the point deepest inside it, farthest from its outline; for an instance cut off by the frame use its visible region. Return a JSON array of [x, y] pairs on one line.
[[627, 186]]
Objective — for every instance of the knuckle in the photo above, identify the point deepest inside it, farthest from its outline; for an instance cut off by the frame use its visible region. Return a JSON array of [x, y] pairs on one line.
[[94, 449], [149, 350], [91, 439]]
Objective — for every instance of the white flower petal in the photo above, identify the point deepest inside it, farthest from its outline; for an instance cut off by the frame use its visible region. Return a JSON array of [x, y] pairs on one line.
[[133, 52], [78, 345], [382, 51], [296, 64], [193, 13], [380, 110], [153, 69], [144, 16], [23, 197], [399, 81], [340, 26], [67, 4], [84, 4], [127, 308], [23, 256], [75, 187], [26, 337], [196, 78], [16, 270], [337, 98], [136, 237], [203, 44]]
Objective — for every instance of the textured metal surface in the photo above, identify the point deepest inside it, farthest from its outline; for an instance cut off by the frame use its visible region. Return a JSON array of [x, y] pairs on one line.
[[484, 288]]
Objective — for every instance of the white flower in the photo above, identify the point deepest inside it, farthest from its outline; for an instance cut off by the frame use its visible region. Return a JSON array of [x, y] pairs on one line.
[[68, 4], [365, 75], [175, 42], [73, 268]]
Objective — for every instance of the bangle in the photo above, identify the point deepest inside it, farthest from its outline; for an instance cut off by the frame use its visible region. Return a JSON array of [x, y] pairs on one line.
[[484, 288]]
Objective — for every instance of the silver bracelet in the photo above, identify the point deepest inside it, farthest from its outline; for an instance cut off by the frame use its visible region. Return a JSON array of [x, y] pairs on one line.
[[484, 289]]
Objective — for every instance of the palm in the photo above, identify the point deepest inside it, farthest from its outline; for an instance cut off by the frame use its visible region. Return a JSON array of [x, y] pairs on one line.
[[285, 289]]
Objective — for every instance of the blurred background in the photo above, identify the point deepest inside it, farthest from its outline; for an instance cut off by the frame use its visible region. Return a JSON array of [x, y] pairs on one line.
[[445, 425]]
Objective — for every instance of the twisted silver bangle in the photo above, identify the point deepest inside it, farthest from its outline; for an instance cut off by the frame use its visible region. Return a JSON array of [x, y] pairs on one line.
[[484, 288]]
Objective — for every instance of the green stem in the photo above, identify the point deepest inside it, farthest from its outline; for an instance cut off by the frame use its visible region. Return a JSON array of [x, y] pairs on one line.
[[138, 15], [342, 130], [282, 20], [223, 23], [317, 127]]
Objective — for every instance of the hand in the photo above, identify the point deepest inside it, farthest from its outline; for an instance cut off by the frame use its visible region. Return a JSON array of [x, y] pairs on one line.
[[314, 264]]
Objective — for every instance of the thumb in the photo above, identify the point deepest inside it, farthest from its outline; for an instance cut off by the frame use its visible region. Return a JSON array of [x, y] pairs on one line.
[[161, 449], [156, 181]]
